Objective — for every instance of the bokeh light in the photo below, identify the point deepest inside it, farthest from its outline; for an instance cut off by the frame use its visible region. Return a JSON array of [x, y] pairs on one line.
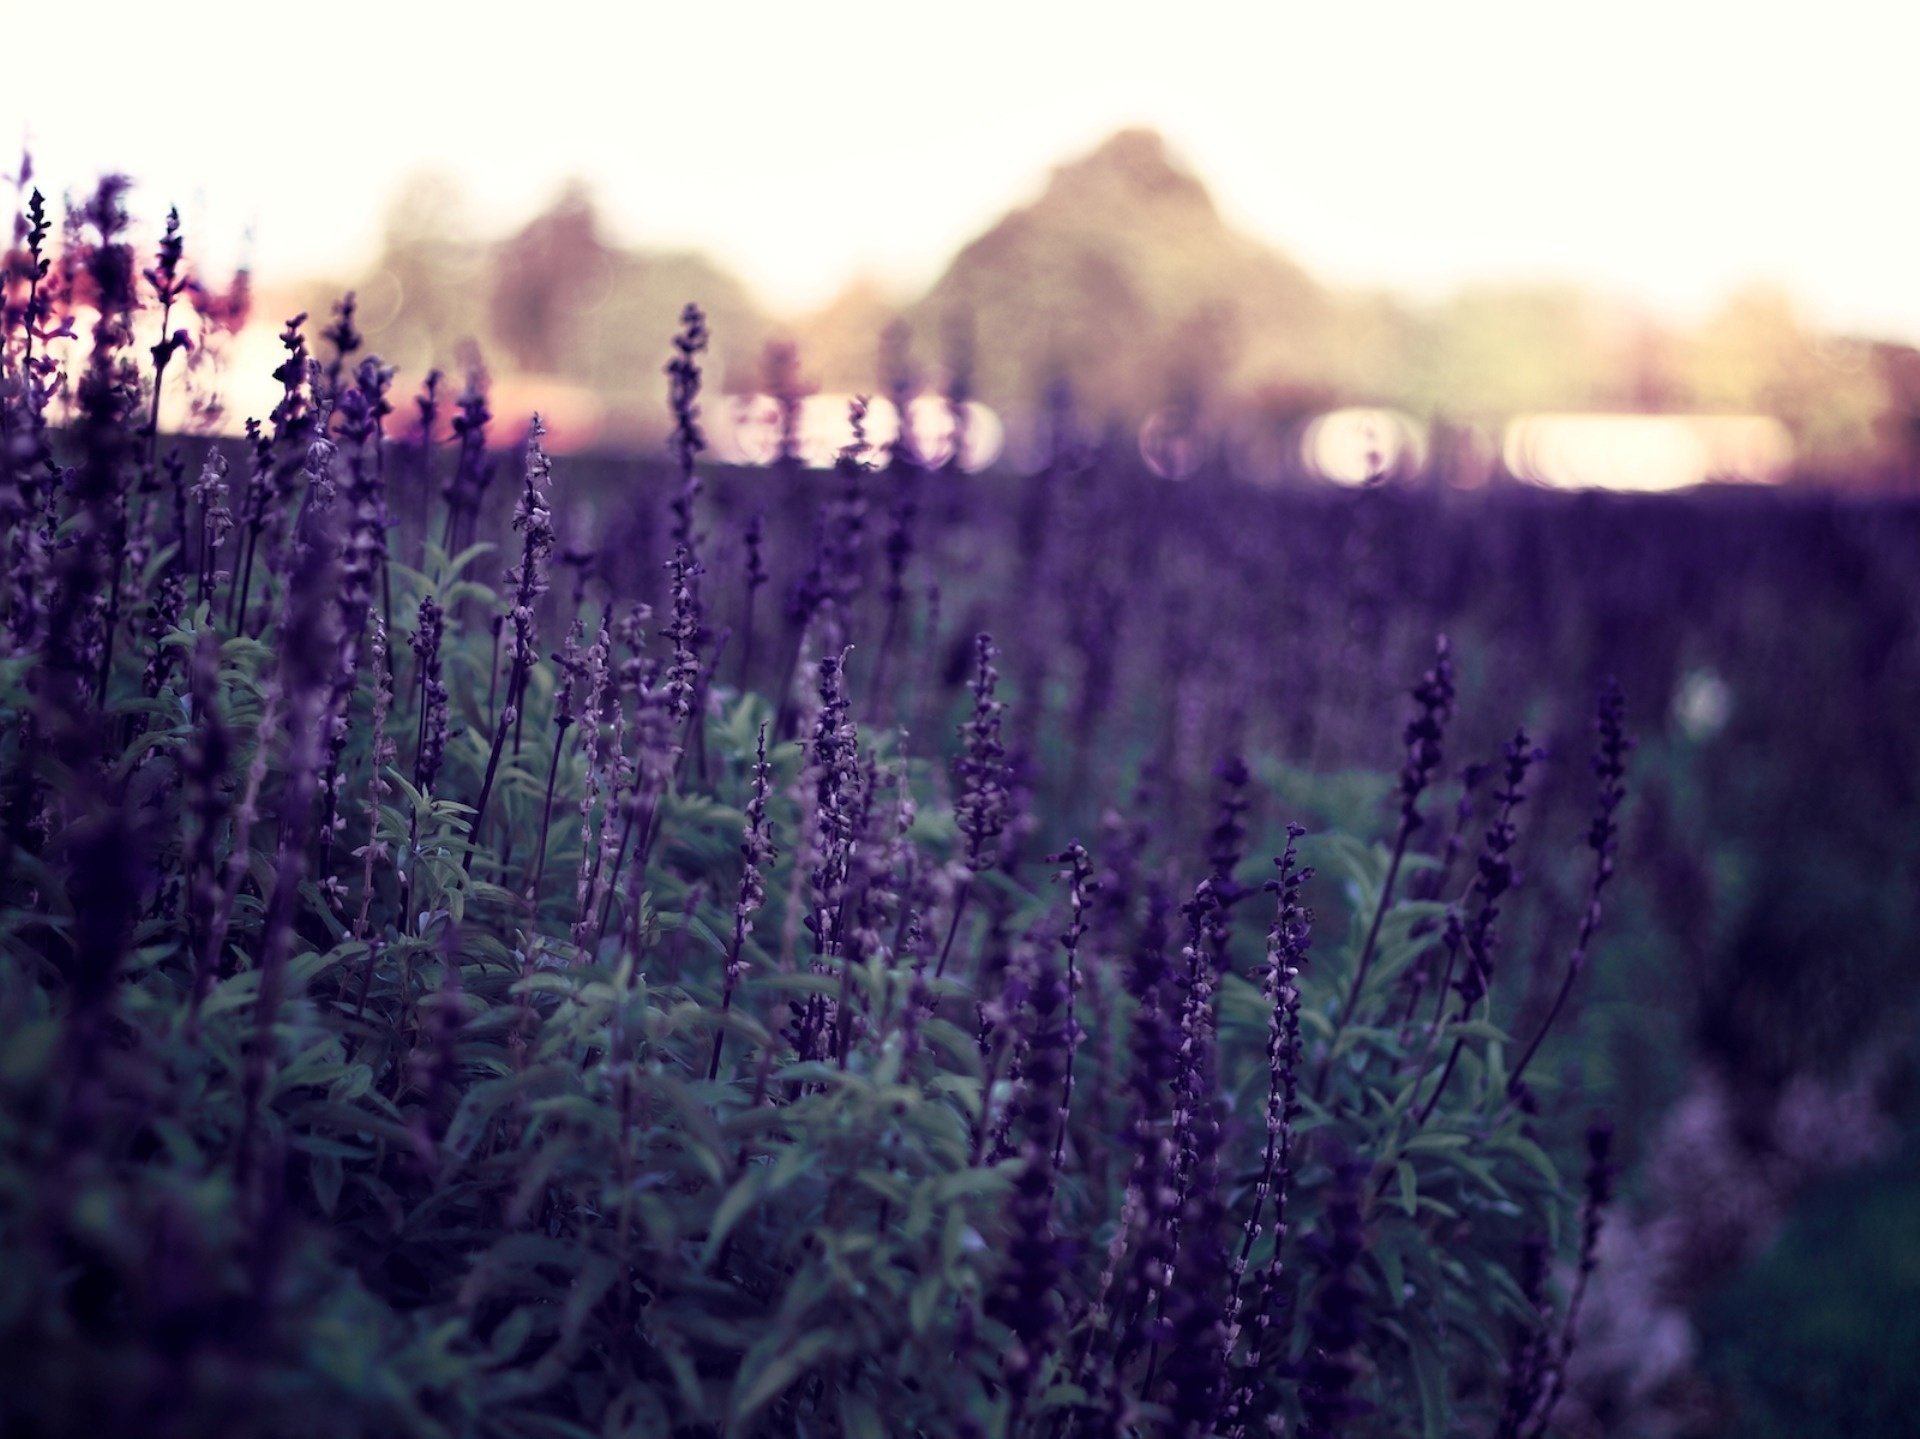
[[1646, 452]]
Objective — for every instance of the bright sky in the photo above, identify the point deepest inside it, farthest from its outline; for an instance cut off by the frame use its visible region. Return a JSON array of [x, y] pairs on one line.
[[1665, 151]]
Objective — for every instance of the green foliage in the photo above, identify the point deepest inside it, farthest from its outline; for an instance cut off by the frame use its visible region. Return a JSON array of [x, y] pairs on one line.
[[495, 1192]]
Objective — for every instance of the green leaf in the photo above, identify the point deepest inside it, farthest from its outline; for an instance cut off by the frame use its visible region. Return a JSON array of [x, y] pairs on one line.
[[1478, 1029], [702, 1134], [328, 1174], [1532, 1155], [927, 1295], [1430, 1379], [1393, 1272], [466, 557], [1409, 1186], [732, 1209], [475, 1113], [24, 1054], [949, 1187], [1362, 865], [890, 1187], [510, 1338], [953, 1043], [353, 1082], [769, 1368], [826, 984], [858, 1418]]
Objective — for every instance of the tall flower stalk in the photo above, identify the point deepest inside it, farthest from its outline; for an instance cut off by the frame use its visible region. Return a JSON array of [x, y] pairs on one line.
[[1474, 940], [1433, 701], [757, 854], [1288, 939], [528, 580], [980, 809], [1603, 838]]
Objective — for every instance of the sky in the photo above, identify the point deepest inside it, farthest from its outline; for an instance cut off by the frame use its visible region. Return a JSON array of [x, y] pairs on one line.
[[1665, 153]]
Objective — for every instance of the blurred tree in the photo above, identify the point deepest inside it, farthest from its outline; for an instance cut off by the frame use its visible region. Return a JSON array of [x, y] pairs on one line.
[[1123, 278], [557, 299], [1899, 366], [1505, 350], [839, 343], [429, 257], [1755, 354], [545, 277]]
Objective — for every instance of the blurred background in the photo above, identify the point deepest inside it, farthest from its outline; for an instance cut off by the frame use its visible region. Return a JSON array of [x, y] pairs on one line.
[[1482, 217], [1369, 283]]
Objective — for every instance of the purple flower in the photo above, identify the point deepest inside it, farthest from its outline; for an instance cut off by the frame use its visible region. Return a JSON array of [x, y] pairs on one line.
[[683, 397], [981, 806], [1027, 1303], [1494, 870]]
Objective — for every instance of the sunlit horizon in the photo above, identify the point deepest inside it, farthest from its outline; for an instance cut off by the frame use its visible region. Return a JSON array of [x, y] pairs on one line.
[[1665, 158]]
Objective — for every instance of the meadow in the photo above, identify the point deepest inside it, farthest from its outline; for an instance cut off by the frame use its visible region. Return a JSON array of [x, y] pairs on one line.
[[509, 945]]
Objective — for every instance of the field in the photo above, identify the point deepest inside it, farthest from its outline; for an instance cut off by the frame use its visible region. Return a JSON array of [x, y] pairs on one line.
[[504, 945]]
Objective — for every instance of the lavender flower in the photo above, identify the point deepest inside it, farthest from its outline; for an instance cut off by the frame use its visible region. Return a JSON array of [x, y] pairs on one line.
[[80, 630], [1610, 768], [1194, 1091], [1035, 1253], [1495, 870], [656, 755], [1527, 1361], [168, 607], [1227, 840], [1494, 876], [756, 580], [534, 520], [364, 562], [1195, 1320], [472, 470], [602, 721], [529, 581], [832, 819], [572, 669], [683, 396], [1598, 1184], [904, 464], [980, 809], [1078, 873], [168, 285], [430, 739], [1197, 1328], [1140, 1260], [345, 338], [683, 673], [216, 521], [1433, 698], [427, 415], [1288, 940], [844, 527], [756, 853], [380, 754]]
